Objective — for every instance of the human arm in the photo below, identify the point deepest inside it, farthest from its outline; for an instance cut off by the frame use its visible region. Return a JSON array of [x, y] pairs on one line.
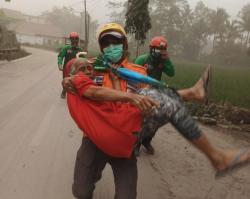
[[81, 85], [116, 83], [97, 93], [61, 56], [169, 68], [141, 60], [80, 49]]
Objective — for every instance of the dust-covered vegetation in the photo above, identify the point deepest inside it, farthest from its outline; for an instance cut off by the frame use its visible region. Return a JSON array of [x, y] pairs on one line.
[[199, 34], [9, 47], [69, 20], [229, 84]]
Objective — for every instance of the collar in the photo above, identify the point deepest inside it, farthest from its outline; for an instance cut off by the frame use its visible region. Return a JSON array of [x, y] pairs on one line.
[[125, 61]]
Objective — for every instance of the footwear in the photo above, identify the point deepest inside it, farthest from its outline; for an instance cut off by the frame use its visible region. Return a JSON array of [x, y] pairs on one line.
[[137, 146], [236, 164], [63, 95], [149, 149], [206, 79], [137, 151]]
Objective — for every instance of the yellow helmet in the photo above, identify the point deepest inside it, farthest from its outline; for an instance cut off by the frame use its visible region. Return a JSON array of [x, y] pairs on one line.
[[114, 29]]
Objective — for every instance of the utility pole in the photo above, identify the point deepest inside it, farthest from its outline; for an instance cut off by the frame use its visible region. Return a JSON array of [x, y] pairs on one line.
[[81, 25], [86, 25]]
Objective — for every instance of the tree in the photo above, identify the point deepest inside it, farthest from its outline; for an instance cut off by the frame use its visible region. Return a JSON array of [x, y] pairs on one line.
[[65, 18], [194, 34], [218, 24], [68, 20], [244, 22], [118, 11], [200, 28], [228, 49], [201, 20], [138, 20], [195, 31], [232, 32], [169, 17]]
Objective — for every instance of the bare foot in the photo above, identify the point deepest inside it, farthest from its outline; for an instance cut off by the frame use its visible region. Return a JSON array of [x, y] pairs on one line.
[[229, 159], [201, 88]]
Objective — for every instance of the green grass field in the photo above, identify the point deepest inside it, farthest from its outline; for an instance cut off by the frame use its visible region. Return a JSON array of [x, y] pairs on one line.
[[229, 84]]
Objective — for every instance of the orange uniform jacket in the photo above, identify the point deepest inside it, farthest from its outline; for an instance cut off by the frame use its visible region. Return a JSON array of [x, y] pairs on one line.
[[126, 64]]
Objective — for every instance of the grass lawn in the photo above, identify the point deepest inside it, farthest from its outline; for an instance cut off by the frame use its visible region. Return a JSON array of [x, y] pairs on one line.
[[229, 84]]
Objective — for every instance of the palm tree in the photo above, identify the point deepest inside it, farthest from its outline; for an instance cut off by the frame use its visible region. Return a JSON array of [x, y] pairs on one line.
[[244, 22], [219, 20]]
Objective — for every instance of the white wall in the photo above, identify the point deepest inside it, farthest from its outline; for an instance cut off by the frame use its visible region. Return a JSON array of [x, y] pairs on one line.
[[34, 39], [30, 39]]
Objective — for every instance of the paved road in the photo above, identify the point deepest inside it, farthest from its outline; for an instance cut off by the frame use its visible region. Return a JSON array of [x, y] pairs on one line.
[[38, 144]]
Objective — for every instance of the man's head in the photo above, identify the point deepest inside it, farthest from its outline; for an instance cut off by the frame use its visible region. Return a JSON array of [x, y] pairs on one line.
[[113, 42], [158, 48], [74, 38], [84, 65]]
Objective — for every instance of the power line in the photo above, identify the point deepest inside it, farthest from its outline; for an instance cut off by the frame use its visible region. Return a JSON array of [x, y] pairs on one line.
[[75, 3], [92, 5], [96, 6]]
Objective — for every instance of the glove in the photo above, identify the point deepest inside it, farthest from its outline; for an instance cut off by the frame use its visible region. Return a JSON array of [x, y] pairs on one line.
[[60, 67]]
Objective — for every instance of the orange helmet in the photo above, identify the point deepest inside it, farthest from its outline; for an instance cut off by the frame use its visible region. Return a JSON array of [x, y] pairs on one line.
[[74, 35], [159, 42]]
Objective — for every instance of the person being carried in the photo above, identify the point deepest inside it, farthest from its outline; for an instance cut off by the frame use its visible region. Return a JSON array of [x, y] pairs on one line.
[[67, 53], [123, 116]]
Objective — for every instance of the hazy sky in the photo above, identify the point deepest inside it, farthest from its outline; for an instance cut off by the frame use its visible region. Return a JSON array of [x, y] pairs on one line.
[[97, 7]]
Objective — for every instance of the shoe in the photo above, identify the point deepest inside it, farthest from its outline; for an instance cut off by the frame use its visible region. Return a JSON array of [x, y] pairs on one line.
[[63, 95], [149, 149], [137, 151]]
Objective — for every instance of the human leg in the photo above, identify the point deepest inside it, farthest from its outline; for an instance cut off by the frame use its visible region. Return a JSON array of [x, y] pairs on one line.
[[221, 159], [125, 175], [198, 92], [169, 103], [172, 109], [90, 162], [146, 142], [63, 93]]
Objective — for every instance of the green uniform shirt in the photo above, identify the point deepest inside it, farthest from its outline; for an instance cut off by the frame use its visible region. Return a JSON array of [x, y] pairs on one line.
[[155, 70], [67, 53]]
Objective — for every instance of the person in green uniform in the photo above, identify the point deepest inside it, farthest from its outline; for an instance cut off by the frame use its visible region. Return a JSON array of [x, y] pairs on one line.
[[67, 53], [157, 62]]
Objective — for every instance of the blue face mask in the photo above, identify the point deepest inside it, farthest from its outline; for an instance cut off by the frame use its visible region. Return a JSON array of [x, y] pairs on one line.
[[114, 52]]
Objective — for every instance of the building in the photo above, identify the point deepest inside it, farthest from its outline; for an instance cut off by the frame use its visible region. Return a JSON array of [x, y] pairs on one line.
[[37, 34], [33, 30]]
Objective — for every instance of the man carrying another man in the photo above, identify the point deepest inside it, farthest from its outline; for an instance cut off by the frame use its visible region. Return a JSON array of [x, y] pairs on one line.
[[93, 154], [121, 116]]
